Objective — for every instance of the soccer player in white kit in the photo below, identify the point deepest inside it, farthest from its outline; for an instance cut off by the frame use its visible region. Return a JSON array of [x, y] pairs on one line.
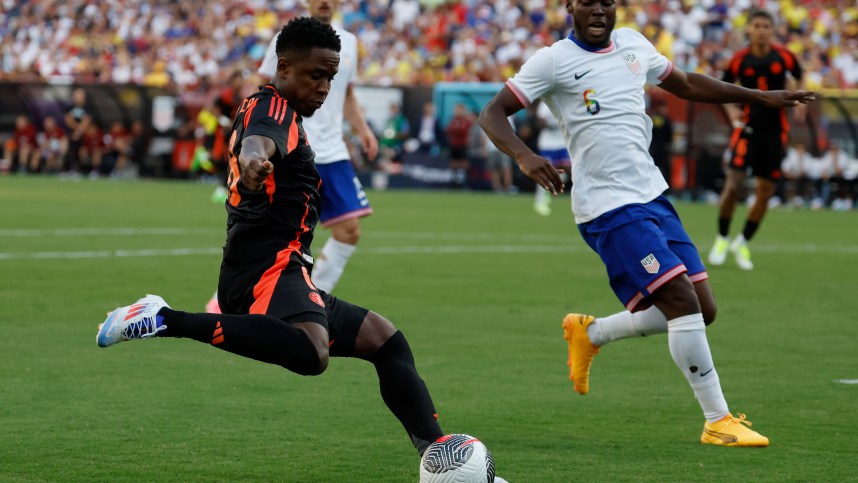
[[593, 82], [344, 201]]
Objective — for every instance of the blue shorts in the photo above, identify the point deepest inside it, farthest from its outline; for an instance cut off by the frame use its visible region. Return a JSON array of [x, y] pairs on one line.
[[558, 157], [343, 197], [643, 247]]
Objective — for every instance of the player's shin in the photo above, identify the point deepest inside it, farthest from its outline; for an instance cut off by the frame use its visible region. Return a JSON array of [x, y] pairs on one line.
[[689, 348], [626, 324], [404, 391], [259, 337]]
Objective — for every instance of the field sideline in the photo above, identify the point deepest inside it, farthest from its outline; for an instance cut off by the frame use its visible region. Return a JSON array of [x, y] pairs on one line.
[[478, 283]]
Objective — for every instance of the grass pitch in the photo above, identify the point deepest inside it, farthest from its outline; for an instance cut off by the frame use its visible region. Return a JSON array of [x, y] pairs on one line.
[[477, 282]]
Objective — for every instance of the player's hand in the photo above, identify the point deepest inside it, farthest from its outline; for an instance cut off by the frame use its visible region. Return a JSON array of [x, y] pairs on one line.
[[788, 98], [369, 144], [254, 170], [542, 171]]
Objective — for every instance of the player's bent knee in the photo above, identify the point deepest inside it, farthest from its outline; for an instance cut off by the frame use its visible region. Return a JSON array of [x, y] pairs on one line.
[[374, 332]]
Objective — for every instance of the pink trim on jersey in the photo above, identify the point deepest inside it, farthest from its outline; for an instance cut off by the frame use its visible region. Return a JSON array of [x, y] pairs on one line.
[[347, 216], [699, 277], [666, 277], [607, 49], [634, 302], [521, 97], [667, 71]]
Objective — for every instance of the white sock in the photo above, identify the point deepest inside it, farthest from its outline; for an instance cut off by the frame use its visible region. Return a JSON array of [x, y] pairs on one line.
[[329, 265], [541, 196], [686, 337], [625, 324]]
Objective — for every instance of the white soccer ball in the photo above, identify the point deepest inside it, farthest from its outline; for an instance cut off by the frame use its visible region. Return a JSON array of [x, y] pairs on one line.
[[457, 458]]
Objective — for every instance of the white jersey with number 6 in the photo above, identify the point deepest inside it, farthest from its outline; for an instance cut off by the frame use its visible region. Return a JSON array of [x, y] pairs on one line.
[[598, 100]]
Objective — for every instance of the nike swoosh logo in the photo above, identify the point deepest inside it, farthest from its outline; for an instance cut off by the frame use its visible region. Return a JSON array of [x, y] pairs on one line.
[[578, 76], [707, 372]]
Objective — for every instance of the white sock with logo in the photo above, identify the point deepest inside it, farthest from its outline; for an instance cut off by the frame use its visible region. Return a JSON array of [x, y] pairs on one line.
[[686, 337], [626, 324], [329, 265]]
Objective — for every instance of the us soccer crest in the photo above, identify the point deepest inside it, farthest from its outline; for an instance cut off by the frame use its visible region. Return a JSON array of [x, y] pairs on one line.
[[632, 63], [650, 264]]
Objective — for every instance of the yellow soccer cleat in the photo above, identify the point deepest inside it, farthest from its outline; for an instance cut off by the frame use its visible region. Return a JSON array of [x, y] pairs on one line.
[[730, 431], [581, 350], [718, 254]]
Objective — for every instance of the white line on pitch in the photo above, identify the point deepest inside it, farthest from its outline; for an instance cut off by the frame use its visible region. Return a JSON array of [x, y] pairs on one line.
[[847, 381], [105, 232]]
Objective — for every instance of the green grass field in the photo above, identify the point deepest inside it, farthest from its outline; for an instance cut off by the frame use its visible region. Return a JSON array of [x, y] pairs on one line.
[[477, 282]]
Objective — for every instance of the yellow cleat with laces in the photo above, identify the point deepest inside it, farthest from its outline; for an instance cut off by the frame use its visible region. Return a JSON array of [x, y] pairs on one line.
[[732, 431], [581, 350]]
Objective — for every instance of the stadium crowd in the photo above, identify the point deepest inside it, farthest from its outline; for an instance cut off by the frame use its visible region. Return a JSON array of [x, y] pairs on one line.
[[196, 44]]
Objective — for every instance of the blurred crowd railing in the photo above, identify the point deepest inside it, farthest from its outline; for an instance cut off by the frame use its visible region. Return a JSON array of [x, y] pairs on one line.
[[149, 131]]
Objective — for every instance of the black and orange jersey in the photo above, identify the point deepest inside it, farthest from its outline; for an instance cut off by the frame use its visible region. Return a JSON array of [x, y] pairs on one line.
[[280, 218], [767, 74]]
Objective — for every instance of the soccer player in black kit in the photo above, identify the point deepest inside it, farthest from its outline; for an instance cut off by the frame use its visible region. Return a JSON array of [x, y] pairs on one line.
[[271, 310], [759, 137]]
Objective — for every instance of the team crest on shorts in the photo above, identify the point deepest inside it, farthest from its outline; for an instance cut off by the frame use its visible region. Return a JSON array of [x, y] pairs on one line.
[[632, 63], [650, 264], [316, 298]]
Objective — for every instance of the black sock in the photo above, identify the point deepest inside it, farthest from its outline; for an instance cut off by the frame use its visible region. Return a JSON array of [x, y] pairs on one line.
[[724, 226], [750, 229], [405, 393], [259, 337]]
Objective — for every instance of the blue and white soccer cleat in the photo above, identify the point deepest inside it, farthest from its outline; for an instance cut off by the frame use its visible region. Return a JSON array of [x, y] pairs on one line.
[[136, 321]]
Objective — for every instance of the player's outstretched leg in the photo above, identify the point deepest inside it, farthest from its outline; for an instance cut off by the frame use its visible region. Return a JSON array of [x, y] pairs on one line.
[[581, 350], [259, 337]]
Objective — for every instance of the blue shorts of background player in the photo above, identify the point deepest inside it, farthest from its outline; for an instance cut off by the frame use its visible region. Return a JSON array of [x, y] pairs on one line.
[[643, 246], [558, 157], [343, 197]]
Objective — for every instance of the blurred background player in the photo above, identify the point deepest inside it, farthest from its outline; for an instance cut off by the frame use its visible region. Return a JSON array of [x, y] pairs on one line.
[[759, 137], [52, 144], [552, 147], [20, 149], [593, 82], [344, 201], [458, 140], [78, 120]]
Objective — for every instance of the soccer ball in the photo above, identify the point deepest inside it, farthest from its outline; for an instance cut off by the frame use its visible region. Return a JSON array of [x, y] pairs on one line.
[[457, 458]]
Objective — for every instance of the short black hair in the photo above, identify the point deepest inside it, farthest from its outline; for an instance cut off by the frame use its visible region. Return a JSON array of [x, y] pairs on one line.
[[305, 33], [760, 13]]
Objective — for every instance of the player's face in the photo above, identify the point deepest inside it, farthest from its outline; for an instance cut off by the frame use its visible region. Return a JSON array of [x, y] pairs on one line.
[[593, 20], [308, 79], [760, 31], [322, 9]]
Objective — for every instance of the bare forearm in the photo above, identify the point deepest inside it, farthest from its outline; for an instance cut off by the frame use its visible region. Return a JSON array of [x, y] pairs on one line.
[[494, 123], [702, 88], [256, 147]]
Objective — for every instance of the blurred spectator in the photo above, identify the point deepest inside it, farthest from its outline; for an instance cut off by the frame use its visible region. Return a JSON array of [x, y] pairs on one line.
[[661, 146], [117, 151], [396, 131], [53, 145], [78, 121], [429, 132], [818, 171], [91, 153], [458, 138], [20, 148]]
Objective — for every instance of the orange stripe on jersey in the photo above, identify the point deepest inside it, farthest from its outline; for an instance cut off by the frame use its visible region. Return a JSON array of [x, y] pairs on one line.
[[270, 186], [264, 289], [737, 61], [292, 140], [282, 114], [249, 111], [271, 108], [786, 55]]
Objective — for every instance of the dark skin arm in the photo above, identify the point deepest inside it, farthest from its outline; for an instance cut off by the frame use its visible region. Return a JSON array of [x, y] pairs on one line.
[[702, 88], [254, 161], [494, 122]]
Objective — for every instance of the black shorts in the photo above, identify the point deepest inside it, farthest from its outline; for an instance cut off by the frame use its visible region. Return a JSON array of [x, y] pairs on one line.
[[761, 152], [458, 152], [282, 288]]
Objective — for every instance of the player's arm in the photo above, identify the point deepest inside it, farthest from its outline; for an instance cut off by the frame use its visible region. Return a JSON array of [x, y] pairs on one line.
[[256, 151], [702, 88], [493, 120], [354, 115]]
